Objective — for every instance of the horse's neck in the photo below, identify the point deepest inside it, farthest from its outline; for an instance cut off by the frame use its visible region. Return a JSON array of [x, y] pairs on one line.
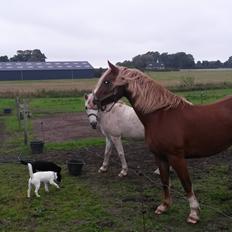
[[132, 101]]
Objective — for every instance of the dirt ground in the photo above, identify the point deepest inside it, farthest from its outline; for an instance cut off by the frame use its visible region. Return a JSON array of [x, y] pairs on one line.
[[69, 126], [63, 127]]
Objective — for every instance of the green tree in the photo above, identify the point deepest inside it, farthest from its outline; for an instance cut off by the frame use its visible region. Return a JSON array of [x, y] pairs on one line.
[[28, 55], [37, 55], [4, 59], [228, 63]]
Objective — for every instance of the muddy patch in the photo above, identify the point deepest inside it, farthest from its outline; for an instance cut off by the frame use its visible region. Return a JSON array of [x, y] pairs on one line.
[[63, 127]]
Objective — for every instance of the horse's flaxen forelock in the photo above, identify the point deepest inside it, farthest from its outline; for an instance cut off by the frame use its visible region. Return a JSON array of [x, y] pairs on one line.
[[148, 95]]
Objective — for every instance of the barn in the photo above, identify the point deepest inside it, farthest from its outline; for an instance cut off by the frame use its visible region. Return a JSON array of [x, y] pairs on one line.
[[12, 71]]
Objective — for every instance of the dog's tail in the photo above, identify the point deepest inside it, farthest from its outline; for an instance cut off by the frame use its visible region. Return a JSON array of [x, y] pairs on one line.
[[22, 161], [30, 170]]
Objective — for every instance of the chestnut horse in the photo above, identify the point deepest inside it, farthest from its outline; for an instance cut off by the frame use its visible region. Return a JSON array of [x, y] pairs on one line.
[[174, 129]]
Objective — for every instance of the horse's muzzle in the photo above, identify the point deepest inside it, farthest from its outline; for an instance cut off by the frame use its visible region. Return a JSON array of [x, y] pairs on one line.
[[94, 125]]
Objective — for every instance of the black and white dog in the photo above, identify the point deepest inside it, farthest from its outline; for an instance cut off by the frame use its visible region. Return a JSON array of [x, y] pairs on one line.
[[41, 165]]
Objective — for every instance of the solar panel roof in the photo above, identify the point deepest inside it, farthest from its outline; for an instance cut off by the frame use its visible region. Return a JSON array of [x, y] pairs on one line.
[[54, 65]]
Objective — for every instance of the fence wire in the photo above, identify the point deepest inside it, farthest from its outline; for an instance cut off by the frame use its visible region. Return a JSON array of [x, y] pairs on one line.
[[140, 173]]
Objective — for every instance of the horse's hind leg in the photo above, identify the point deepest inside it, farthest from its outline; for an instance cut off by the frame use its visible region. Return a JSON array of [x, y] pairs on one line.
[[180, 166], [164, 176], [118, 145], [108, 151]]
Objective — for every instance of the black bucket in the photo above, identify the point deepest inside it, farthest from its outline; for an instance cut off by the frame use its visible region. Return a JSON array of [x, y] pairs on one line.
[[75, 166], [37, 147], [7, 111]]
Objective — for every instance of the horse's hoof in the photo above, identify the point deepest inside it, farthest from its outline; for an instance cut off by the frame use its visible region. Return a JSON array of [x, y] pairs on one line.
[[102, 170], [122, 174], [157, 172], [161, 209], [193, 219]]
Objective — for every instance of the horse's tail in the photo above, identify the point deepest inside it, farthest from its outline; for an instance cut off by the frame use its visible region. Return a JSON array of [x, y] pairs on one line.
[[30, 170]]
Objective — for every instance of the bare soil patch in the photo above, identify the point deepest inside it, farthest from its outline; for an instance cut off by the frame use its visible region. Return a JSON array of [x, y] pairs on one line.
[[63, 127], [70, 126]]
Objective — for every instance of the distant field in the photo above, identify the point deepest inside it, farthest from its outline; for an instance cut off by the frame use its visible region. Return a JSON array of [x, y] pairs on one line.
[[200, 76], [173, 78], [47, 85]]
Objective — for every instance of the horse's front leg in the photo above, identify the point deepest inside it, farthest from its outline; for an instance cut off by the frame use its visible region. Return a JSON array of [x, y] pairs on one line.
[[163, 165], [118, 145], [108, 151], [180, 166]]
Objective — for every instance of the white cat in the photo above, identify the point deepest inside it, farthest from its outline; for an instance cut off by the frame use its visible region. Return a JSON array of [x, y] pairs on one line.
[[38, 177]]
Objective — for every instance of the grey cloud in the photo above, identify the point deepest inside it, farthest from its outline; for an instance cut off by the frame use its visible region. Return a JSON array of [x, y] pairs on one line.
[[116, 30]]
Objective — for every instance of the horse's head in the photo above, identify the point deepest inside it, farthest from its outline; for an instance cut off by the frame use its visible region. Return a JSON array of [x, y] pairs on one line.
[[91, 110], [110, 87]]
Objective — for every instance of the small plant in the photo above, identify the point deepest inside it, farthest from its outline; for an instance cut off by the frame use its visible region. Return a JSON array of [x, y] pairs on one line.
[[188, 81]]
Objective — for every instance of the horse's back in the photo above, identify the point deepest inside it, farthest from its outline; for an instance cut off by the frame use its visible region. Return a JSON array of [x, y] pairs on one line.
[[195, 131], [122, 121]]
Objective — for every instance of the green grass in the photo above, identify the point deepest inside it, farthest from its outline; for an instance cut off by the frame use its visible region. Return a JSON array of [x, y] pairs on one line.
[[205, 96], [92, 203], [57, 105], [72, 208], [45, 106], [88, 203], [75, 144], [70, 88], [6, 103], [200, 76]]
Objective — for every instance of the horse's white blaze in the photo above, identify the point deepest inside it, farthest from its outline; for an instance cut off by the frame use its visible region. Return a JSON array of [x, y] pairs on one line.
[[92, 115]]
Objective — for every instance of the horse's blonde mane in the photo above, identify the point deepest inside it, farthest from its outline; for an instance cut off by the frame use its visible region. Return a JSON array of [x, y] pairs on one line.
[[149, 95]]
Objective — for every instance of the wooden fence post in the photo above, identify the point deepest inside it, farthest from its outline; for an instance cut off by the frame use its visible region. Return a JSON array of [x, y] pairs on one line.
[[18, 111], [25, 121]]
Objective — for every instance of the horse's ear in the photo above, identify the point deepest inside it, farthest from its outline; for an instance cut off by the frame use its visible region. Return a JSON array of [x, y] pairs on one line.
[[113, 68], [86, 96]]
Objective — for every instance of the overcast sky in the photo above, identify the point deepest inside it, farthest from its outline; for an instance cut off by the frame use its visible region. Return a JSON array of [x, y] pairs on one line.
[[101, 30]]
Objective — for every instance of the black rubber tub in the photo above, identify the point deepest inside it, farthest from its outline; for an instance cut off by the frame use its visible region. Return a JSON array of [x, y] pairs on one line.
[[7, 111], [37, 147], [75, 166]]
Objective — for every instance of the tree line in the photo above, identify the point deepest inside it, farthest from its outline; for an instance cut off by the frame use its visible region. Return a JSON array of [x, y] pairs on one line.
[[25, 55], [148, 61], [180, 60]]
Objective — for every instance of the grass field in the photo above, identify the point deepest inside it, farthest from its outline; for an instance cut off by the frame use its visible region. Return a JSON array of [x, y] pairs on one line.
[[173, 78], [53, 105], [88, 206]]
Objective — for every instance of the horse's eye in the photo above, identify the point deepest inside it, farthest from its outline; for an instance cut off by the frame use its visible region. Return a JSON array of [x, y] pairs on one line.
[[106, 82], [86, 107]]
